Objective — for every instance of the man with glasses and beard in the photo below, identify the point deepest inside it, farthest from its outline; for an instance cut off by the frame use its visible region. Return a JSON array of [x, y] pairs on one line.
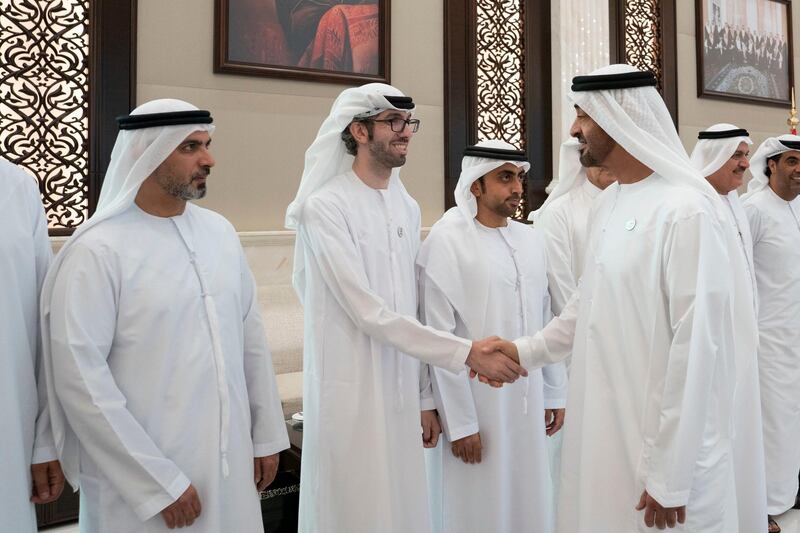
[[358, 232]]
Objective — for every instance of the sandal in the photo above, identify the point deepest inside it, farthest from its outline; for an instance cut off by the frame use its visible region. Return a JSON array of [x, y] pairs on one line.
[[772, 525]]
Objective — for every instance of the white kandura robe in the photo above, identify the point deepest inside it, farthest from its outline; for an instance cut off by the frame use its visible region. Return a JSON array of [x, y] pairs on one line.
[[162, 368], [24, 256], [748, 443], [363, 467], [510, 490], [775, 226], [565, 227], [651, 387]]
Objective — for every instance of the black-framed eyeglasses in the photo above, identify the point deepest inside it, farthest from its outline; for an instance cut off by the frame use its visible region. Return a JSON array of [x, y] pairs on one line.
[[399, 124]]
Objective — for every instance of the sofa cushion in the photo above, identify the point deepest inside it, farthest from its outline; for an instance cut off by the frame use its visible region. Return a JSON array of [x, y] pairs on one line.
[[290, 389]]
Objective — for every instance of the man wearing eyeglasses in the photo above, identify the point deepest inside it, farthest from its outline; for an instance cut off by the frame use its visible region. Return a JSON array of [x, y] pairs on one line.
[[363, 468]]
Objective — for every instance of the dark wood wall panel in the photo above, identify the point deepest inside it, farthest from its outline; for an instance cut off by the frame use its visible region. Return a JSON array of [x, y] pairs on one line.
[[460, 89]]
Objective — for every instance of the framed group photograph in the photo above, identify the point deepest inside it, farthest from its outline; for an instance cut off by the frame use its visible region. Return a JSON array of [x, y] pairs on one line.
[[338, 41], [744, 50]]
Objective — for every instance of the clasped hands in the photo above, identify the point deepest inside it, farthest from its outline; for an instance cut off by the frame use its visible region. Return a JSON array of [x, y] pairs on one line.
[[495, 361]]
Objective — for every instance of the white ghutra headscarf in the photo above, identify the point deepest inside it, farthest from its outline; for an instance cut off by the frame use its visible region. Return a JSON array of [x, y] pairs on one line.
[[571, 174], [460, 263], [327, 157], [772, 146]]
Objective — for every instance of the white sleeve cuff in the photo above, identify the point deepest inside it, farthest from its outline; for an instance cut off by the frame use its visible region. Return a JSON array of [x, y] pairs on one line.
[[156, 504], [427, 404], [555, 403], [461, 432], [44, 454], [459, 361], [271, 448], [525, 352]]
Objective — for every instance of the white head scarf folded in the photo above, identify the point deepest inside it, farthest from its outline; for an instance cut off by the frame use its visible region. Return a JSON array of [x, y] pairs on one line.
[[571, 174], [709, 155], [637, 119], [327, 157], [136, 154], [462, 263], [758, 163]]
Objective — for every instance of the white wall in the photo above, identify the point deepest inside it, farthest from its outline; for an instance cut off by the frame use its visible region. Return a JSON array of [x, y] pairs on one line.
[[264, 125]]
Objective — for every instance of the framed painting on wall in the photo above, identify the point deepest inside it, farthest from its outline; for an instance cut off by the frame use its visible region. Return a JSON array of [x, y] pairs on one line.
[[744, 50], [338, 41]]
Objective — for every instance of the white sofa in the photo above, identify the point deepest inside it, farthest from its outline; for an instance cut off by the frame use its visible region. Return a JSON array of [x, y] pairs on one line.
[[270, 256]]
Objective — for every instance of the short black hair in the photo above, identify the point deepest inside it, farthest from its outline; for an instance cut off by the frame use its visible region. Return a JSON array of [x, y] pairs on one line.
[[776, 158], [350, 143]]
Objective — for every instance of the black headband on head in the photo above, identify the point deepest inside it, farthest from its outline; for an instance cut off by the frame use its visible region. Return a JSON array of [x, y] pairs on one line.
[[495, 153], [400, 102], [171, 118], [725, 134], [794, 145], [625, 80]]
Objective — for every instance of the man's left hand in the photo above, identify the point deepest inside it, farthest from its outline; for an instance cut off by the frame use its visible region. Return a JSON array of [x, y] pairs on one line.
[[553, 420], [431, 429], [48, 482], [265, 470], [658, 515]]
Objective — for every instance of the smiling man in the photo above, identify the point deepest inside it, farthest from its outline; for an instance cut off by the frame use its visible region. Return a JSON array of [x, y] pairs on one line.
[[164, 402], [358, 232], [649, 329], [482, 273], [773, 209], [721, 156]]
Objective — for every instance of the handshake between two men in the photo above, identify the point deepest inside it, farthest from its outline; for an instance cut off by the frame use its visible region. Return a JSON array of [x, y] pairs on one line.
[[495, 361]]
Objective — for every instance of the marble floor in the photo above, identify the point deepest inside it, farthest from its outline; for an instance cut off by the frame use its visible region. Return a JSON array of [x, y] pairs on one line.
[[789, 522]]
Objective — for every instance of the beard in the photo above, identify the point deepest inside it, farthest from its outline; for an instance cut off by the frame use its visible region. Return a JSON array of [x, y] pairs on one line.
[[380, 151], [506, 210], [587, 159], [593, 154], [185, 191]]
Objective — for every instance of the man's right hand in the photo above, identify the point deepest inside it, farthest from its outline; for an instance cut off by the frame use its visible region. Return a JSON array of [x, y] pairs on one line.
[[486, 358], [468, 448], [183, 511]]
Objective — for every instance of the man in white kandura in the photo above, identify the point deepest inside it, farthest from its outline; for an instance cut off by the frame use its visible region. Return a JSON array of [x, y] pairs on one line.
[[29, 469], [650, 330], [564, 221], [773, 210], [479, 273], [721, 157], [358, 233], [163, 395]]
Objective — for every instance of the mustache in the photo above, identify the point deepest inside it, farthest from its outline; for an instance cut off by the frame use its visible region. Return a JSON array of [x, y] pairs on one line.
[[202, 173]]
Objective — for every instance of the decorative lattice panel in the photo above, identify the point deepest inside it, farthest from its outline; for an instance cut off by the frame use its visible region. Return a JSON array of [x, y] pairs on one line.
[[44, 49], [643, 39], [500, 73]]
